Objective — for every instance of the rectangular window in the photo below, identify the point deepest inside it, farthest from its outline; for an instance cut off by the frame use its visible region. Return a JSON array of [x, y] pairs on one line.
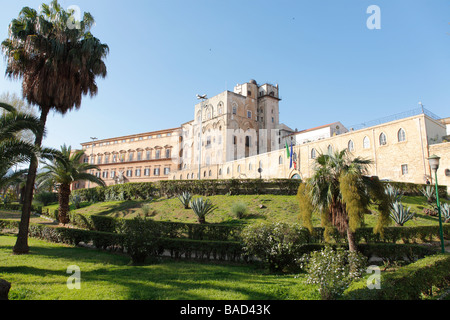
[[166, 171], [139, 156], [105, 174], [158, 154], [147, 172], [106, 159], [168, 153], [129, 173], [148, 155], [113, 174], [130, 158], [404, 169], [156, 172], [249, 114], [138, 172]]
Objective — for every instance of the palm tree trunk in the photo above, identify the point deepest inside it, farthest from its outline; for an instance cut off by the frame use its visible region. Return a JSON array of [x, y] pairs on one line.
[[64, 198], [21, 246], [351, 241]]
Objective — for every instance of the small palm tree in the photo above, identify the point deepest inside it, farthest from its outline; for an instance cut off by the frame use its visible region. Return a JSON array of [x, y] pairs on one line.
[[445, 210], [65, 169], [202, 208], [401, 214], [185, 198], [341, 193]]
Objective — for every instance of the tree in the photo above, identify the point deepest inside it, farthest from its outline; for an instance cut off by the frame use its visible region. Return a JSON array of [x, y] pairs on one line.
[[341, 192], [58, 62], [65, 169], [13, 149]]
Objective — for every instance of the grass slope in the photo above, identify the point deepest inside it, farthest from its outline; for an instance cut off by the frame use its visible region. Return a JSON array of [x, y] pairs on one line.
[[41, 275]]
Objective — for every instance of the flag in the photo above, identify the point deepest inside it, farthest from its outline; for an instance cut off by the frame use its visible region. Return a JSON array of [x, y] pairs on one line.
[[287, 151], [292, 153]]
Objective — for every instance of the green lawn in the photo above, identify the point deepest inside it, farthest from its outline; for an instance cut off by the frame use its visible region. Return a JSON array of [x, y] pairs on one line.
[[277, 208], [41, 275]]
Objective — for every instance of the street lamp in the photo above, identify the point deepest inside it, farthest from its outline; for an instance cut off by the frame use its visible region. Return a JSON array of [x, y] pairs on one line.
[[92, 160], [434, 164], [202, 98]]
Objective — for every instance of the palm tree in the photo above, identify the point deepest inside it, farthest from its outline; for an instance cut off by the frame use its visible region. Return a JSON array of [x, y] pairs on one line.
[[65, 169], [58, 62], [341, 192]]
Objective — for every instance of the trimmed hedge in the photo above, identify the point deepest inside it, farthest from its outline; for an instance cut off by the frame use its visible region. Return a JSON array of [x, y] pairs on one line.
[[413, 189], [406, 283]]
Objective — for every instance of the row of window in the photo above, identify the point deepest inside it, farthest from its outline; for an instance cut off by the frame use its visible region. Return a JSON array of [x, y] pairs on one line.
[[132, 172], [382, 139], [100, 144], [122, 158]]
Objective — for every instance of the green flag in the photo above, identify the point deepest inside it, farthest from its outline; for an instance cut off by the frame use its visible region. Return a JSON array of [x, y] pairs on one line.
[[287, 150]]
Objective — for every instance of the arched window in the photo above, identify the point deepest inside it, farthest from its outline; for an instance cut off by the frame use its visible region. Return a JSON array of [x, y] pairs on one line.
[[234, 110], [210, 173], [330, 149], [401, 135], [220, 172], [313, 153], [383, 139], [351, 146], [280, 160], [366, 142], [228, 170], [260, 164], [249, 167]]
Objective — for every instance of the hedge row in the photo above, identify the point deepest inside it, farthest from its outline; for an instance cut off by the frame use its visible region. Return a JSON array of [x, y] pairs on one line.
[[220, 232], [413, 189], [176, 248], [146, 190], [406, 283]]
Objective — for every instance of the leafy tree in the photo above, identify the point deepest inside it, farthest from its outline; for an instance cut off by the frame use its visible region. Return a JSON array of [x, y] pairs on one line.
[[58, 62], [65, 169], [341, 193]]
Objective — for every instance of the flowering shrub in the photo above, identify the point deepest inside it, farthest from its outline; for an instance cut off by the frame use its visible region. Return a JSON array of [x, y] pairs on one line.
[[276, 244], [333, 270]]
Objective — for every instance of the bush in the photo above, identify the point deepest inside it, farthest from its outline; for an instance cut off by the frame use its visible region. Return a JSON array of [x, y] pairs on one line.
[[406, 283], [46, 198], [275, 244], [141, 239], [202, 208], [239, 209], [185, 199], [333, 270], [401, 214]]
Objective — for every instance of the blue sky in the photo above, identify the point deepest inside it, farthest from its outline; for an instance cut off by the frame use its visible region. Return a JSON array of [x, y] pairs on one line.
[[329, 65]]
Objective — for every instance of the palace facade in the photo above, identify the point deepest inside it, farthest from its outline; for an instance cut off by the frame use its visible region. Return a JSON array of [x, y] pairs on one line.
[[237, 134]]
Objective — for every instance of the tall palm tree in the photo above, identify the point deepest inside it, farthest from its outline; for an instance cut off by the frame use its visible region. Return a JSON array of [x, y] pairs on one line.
[[58, 61], [62, 172], [341, 192]]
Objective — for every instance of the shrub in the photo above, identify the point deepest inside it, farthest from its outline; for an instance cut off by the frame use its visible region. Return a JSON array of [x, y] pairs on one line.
[[46, 198], [276, 244], [76, 200], [429, 193], [333, 270], [406, 283], [401, 214], [239, 209], [445, 210], [141, 239], [202, 208], [185, 199]]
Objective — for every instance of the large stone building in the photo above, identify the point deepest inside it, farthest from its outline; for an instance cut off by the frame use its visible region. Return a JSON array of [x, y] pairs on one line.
[[238, 135]]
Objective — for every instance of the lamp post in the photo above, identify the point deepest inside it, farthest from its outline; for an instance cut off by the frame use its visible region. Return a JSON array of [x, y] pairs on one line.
[[202, 98], [92, 160], [434, 164]]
